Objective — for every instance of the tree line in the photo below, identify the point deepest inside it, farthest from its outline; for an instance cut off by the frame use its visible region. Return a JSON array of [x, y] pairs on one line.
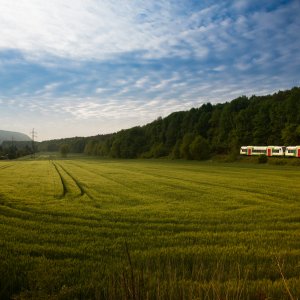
[[201, 132], [12, 150]]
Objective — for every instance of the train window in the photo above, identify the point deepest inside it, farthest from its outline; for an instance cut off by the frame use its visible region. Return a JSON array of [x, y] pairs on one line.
[[259, 151]]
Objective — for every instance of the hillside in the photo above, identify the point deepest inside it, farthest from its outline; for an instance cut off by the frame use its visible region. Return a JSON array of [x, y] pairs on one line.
[[200, 132], [11, 135]]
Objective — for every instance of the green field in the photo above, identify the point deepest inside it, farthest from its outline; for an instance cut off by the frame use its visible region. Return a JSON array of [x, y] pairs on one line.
[[156, 229]]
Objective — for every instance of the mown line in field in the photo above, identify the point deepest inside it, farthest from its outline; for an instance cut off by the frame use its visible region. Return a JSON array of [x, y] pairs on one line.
[[195, 186], [24, 220], [118, 221], [5, 167], [202, 183], [157, 177], [63, 218], [134, 193], [137, 191], [61, 180], [200, 187], [106, 177], [200, 242], [86, 222]]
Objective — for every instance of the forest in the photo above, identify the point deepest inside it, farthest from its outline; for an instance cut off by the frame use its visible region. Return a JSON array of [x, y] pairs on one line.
[[15, 149], [200, 132]]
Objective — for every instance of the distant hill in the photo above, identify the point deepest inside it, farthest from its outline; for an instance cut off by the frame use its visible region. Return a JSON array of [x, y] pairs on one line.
[[15, 136]]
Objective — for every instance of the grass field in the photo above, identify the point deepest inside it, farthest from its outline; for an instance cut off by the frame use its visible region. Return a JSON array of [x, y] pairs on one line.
[[156, 229]]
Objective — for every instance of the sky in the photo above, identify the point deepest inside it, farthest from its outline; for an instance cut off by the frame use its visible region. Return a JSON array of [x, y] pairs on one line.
[[87, 67]]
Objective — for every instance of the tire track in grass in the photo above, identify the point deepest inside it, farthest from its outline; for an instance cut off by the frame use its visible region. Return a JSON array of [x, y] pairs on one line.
[[98, 173], [5, 167], [73, 164], [135, 194], [82, 192], [195, 186], [25, 218], [134, 172], [61, 180], [113, 180], [76, 181], [165, 188], [109, 178]]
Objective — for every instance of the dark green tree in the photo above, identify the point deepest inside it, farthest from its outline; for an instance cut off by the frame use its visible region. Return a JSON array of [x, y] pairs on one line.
[[64, 150], [199, 149], [185, 146], [261, 125], [115, 151], [12, 152], [175, 154], [291, 134]]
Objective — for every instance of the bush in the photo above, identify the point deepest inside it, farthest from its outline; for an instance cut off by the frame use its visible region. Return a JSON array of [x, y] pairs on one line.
[[295, 162], [262, 159], [278, 161], [64, 150], [159, 150]]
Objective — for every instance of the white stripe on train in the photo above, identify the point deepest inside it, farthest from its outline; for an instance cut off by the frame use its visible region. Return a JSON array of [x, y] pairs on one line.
[[290, 151]]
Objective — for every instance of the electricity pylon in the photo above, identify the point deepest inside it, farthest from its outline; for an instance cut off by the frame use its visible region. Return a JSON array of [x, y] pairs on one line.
[[33, 136]]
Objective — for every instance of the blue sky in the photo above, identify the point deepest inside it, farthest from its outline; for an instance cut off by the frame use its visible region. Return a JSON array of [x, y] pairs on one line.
[[86, 67]]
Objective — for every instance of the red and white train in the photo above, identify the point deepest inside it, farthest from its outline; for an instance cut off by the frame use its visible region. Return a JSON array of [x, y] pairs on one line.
[[289, 151]]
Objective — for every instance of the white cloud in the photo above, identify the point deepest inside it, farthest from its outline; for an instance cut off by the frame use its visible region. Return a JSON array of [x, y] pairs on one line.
[[92, 108], [241, 66], [98, 30], [142, 82], [101, 90], [89, 29], [219, 68]]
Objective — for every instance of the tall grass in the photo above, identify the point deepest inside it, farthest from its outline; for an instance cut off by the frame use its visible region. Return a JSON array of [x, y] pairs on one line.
[[93, 229]]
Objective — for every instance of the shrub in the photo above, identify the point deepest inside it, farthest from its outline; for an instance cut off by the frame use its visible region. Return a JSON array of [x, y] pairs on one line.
[[278, 161], [64, 150], [295, 162], [262, 159], [159, 150]]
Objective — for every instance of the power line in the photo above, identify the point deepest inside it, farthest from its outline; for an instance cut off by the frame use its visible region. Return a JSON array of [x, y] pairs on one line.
[[33, 136]]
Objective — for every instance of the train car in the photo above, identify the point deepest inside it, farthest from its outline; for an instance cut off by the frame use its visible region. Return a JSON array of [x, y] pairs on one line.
[[259, 150], [253, 150], [266, 150], [292, 151], [243, 150], [275, 150]]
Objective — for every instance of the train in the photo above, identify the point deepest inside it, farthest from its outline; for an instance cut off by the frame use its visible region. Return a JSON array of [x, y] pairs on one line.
[[279, 151]]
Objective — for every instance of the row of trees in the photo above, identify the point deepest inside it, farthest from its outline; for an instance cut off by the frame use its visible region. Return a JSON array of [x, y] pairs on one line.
[[9, 150], [201, 132]]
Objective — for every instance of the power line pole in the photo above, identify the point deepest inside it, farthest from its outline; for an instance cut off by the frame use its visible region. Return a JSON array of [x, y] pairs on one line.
[[33, 135]]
